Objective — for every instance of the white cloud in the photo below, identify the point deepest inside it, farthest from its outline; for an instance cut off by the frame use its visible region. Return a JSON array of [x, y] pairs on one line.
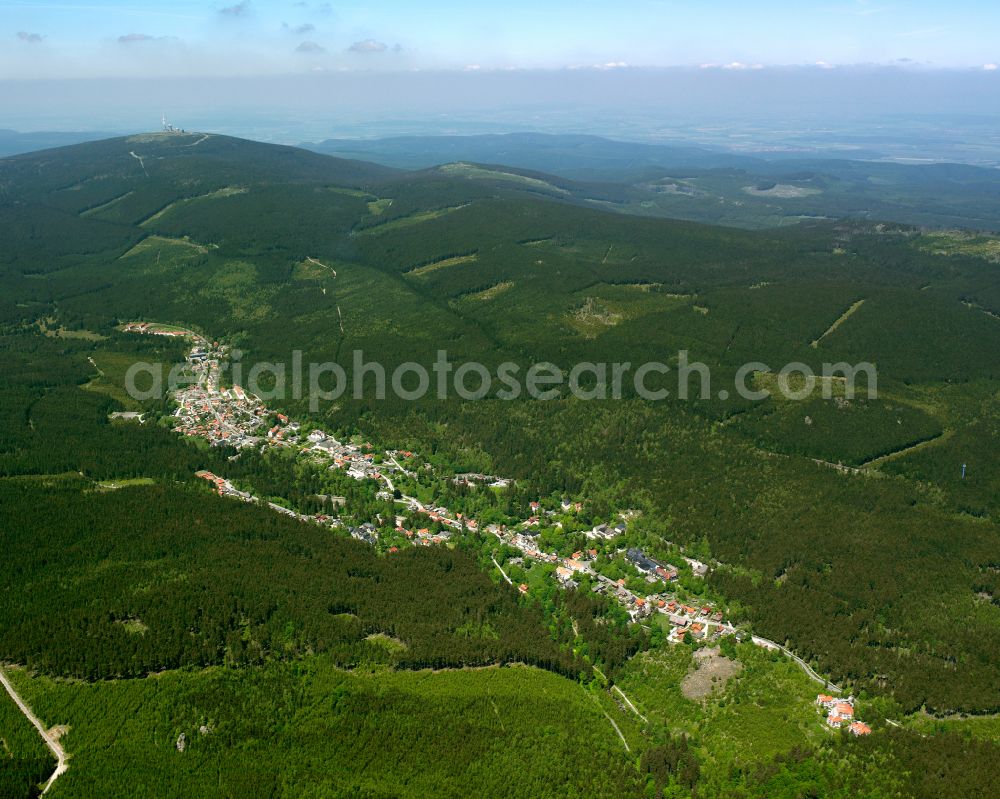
[[237, 10], [368, 46], [310, 47], [133, 38], [990, 67]]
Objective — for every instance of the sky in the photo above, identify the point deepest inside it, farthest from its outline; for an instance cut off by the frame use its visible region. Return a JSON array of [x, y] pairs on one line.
[[649, 69], [95, 38]]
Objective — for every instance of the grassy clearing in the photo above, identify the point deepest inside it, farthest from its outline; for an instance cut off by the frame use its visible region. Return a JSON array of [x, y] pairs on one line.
[[115, 485], [313, 269], [839, 321], [825, 387], [227, 191], [933, 440], [954, 242], [409, 220], [783, 191], [593, 317], [457, 260], [104, 206], [763, 709], [600, 252], [379, 207], [184, 248], [160, 327], [363, 195], [61, 332], [647, 287], [481, 173], [133, 626], [605, 305], [391, 644], [491, 293]]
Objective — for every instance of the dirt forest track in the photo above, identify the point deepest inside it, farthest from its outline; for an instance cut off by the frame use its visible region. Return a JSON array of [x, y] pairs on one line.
[[50, 741]]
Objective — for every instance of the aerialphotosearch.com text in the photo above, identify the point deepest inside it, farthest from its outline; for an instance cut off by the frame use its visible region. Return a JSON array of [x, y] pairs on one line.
[[470, 380]]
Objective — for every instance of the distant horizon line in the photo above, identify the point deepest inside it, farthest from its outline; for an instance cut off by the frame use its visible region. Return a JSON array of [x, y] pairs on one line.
[[734, 67], [764, 154]]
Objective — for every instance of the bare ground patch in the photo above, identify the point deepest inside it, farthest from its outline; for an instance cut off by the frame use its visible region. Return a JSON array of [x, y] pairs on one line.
[[713, 670]]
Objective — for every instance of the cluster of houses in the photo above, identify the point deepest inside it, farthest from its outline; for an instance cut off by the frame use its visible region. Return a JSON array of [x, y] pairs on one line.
[[219, 417], [358, 462], [230, 416], [366, 532], [606, 531], [423, 537], [222, 416], [699, 622], [840, 712], [223, 486], [649, 567], [474, 478]]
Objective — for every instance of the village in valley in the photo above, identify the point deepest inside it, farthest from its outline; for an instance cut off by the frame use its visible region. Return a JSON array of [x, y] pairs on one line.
[[650, 591]]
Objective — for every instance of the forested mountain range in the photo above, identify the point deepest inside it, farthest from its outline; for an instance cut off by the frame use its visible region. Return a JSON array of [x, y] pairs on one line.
[[712, 184]]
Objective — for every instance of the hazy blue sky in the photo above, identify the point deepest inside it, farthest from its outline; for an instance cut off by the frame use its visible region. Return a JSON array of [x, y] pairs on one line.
[[920, 75], [90, 38]]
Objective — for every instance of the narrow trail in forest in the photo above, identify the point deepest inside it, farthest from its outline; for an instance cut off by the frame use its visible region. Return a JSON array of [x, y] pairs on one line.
[[50, 741]]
